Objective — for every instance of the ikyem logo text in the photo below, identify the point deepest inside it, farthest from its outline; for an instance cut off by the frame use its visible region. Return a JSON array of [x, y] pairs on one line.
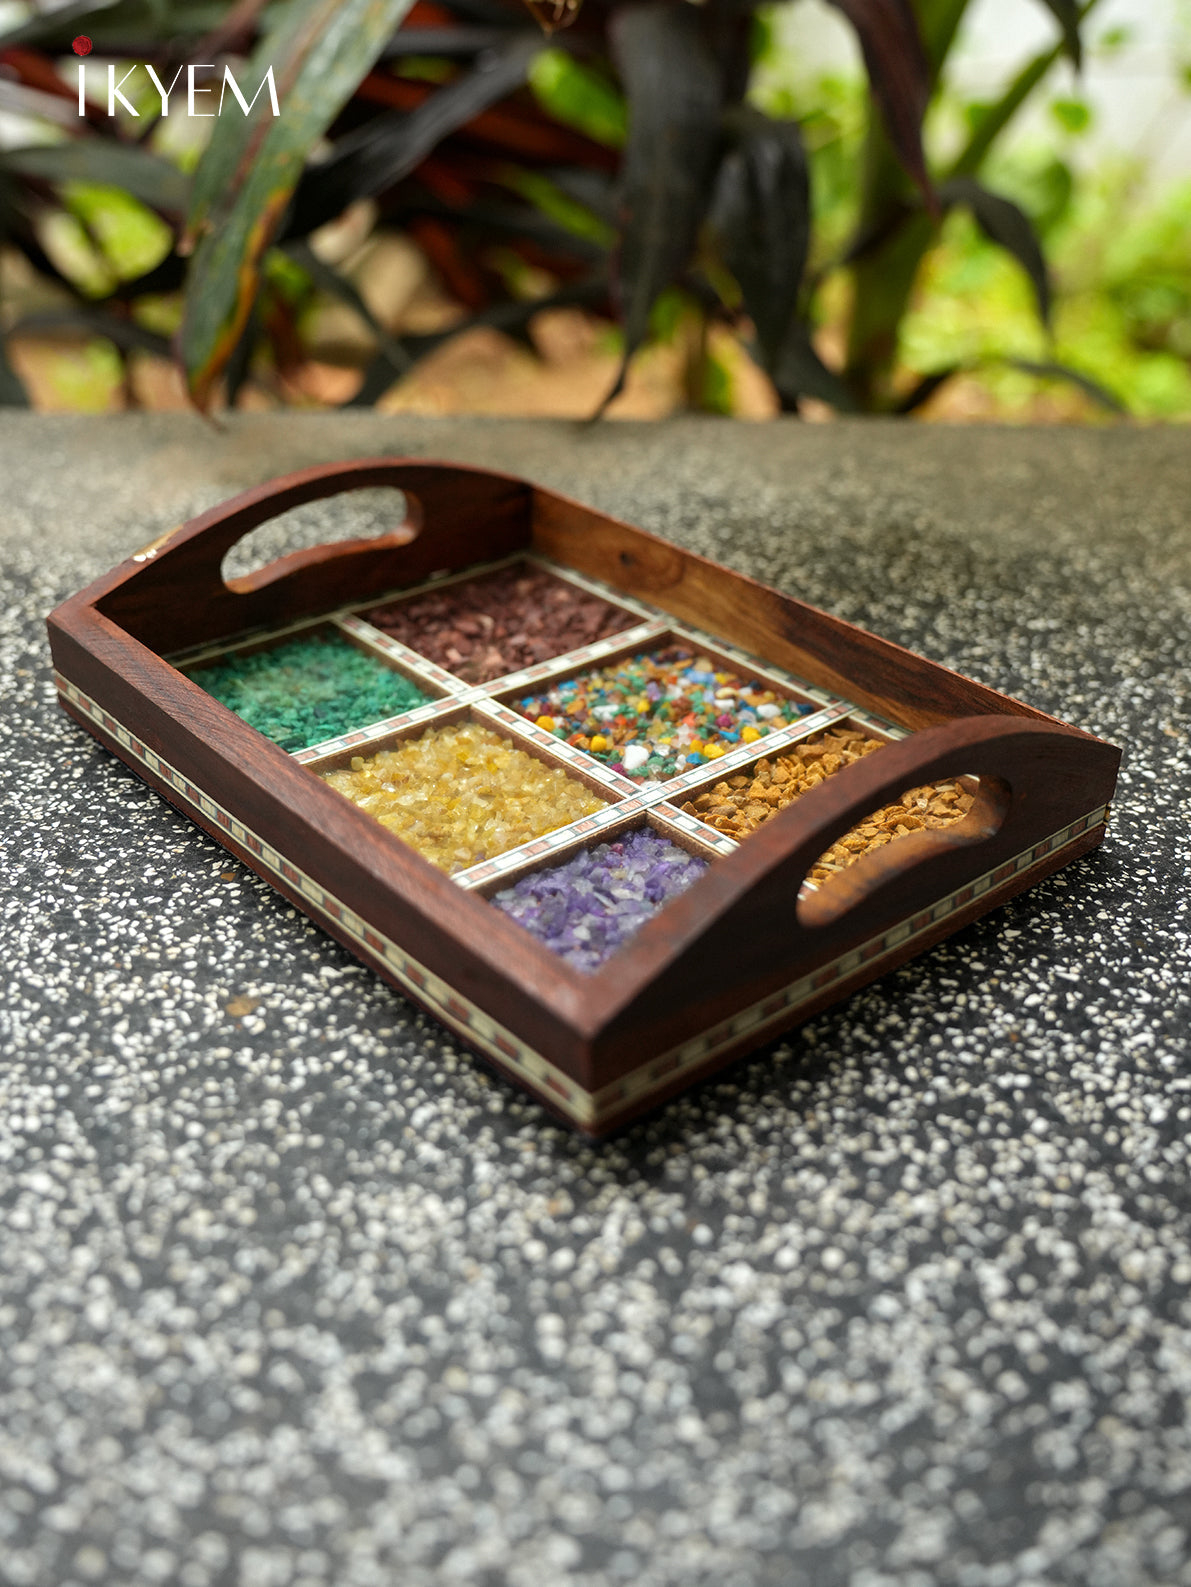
[[82, 46]]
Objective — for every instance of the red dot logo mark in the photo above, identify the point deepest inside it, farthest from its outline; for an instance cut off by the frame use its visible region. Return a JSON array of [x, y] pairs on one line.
[[82, 45]]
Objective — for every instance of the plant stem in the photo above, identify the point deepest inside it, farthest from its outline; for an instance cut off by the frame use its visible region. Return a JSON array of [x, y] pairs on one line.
[[883, 280]]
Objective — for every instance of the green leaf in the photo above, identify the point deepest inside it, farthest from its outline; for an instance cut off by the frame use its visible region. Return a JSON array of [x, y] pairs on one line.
[[107, 163], [1007, 224], [319, 50], [1067, 13], [579, 97], [1073, 115], [673, 83], [559, 207]]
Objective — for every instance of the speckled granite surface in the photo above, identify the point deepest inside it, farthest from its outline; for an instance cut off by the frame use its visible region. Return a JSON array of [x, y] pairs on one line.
[[295, 1294]]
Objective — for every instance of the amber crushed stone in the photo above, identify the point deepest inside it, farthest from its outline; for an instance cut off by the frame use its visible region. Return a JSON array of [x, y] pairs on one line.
[[462, 794], [739, 805]]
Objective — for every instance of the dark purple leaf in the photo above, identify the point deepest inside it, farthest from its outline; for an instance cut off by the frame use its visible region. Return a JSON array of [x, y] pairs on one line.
[[1005, 223], [1049, 370], [761, 216], [510, 318], [125, 333], [929, 384], [926, 387], [674, 89], [900, 75], [1068, 14], [799, 372], [126, 165], [373, 157], [329, 280]]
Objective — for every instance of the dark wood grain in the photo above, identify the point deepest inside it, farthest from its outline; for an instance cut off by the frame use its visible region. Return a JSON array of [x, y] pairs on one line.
[[874, 673], [614, 1115], [740, 934], [178, 598]]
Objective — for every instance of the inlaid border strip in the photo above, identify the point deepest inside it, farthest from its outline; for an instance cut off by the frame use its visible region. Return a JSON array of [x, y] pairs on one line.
[[425, 987], [585, 1108]]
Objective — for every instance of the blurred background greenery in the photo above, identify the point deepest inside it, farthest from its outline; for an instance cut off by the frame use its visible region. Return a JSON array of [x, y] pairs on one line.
[[473, 282]]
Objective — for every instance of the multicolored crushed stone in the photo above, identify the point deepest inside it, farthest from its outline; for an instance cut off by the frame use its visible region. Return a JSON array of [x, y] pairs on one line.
[[499, 622], [462, 794], [591, 905], [660, 712], [308, 689]]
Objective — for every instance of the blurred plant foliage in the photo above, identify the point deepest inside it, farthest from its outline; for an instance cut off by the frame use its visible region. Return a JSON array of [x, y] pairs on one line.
[[659, 163]]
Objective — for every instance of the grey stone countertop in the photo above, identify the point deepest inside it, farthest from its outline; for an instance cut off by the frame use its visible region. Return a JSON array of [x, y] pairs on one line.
[[295, 1293]]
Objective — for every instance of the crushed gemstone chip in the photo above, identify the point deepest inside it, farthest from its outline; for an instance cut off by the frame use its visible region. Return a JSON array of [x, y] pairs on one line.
[[740, 804], [591, 905], [661, 712], [499, 622], [462, 794], [308, 689]]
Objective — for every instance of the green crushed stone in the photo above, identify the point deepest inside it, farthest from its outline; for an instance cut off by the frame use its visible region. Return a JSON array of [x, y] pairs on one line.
[[309, 689]]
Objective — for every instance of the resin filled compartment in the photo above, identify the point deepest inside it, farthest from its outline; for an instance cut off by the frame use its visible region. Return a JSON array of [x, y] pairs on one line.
[[594, 903], [461, 794], [482, 628], [660, 712], [309, 688], [743, 802]]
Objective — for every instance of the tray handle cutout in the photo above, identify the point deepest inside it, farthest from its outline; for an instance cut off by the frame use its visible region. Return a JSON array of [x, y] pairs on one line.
[[1032, 775], [740, 938], [173, 595], [823, 902], [740, 925], [402, 511]]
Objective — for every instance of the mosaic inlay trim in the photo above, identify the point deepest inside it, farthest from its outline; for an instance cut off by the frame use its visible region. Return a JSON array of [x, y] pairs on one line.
[[585, 1108]]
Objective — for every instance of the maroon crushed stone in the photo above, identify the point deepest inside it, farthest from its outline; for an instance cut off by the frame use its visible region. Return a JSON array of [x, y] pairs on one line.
[[481, 628]]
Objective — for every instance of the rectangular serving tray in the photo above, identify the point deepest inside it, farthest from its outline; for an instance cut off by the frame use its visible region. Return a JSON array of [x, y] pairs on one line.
[[747, 952]]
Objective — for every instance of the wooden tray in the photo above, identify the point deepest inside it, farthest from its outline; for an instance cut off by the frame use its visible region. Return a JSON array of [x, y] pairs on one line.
[[746, 952]]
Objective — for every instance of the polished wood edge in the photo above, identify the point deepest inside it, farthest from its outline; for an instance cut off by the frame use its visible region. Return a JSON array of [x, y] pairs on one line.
[[747, 898], [592, 1025], [804, 639], [590, 1006], [262, 789]]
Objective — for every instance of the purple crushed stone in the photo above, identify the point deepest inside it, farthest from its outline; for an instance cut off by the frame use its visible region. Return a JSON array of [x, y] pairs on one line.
[[588, 907]]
